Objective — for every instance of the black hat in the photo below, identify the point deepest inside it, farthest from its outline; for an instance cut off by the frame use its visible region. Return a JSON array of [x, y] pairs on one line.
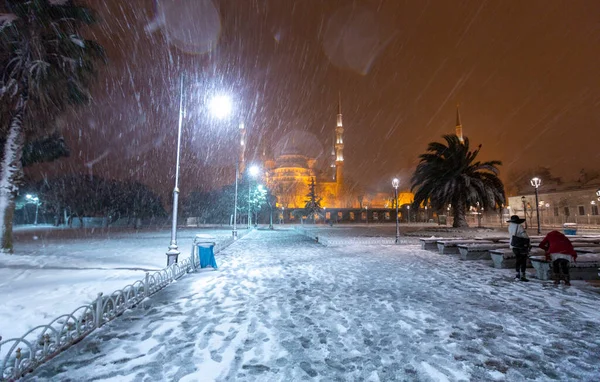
[[515, 219]]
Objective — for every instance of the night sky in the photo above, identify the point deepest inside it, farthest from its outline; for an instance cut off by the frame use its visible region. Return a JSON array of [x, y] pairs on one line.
[[526, 75]]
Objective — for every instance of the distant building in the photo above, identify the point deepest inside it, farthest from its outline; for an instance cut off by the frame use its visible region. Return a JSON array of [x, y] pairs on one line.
[[289, 172], [558, 204]]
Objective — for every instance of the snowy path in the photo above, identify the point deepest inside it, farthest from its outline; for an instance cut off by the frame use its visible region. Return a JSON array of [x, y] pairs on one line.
[[282, 308]]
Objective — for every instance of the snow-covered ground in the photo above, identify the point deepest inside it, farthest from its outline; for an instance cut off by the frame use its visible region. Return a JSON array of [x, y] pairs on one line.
[[53, 271], [283, 308]]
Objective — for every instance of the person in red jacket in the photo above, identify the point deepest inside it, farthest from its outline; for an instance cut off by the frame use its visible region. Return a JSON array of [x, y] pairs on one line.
[[559, 249]]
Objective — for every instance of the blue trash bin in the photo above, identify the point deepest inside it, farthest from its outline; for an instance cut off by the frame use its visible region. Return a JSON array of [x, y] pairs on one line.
[[570, 228], [205, 245]]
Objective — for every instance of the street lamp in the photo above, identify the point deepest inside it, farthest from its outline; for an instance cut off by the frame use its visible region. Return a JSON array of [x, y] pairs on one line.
[[598, 194], [524, 210], [253, 171], [395, 184], [536, 182], [220, 107], [237, 175], [367, 214], [408, 209], [173, 252], [35, 200]]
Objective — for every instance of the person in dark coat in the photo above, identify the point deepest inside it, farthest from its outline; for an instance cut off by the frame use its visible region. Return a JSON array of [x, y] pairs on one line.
[[521, 250], [560, 251]]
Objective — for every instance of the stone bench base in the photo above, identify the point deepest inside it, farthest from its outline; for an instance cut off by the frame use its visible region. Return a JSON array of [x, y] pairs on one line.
[[430, 244], [502, 262], [505, 258], [474, 254], [581, 270]]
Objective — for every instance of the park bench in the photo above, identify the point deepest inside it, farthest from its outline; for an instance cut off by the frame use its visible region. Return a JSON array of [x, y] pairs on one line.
[[505, 258], [430, 243], [585, 268], [478, 251], [587, 249], [495, 239], [450, 247]]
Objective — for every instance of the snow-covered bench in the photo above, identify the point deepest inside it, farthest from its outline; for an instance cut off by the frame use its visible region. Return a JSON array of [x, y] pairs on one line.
[[505, 258], [587, 249], [450, 247], [430, 243], [478, 251], [495, 239], [585, 268]]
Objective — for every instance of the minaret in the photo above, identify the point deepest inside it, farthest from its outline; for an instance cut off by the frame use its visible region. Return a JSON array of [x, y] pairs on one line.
[[339, 145], [459, 133]]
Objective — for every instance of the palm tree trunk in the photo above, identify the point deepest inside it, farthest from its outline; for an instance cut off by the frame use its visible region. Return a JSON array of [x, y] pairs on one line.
[[460, 219], [10, 171]]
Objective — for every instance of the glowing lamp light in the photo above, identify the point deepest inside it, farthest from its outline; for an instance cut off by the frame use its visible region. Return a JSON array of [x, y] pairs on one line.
[[395, 183], [254, 170], [536, 182], [220, 107]]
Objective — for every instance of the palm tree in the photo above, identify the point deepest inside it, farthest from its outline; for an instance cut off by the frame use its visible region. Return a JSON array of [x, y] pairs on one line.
[[44, 66], [448, 174]]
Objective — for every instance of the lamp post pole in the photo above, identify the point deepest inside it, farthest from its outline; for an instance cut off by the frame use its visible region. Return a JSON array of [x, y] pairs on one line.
[[249, 210], [536, 182], [524, 210], [37, 208], [237, 175], [252, 171], [395, 184], [173, 252]]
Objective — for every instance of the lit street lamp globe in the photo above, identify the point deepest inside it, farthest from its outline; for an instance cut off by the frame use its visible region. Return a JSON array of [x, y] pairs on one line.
[[254, 170], [220, 106]]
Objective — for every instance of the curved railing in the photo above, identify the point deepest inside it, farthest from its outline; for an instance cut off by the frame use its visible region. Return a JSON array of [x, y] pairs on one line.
[[19, 356]]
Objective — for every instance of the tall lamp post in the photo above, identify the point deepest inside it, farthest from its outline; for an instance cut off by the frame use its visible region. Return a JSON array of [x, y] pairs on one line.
[[395, 184], [536, 182], [524, 210], [220, 107], [252, 172], [408, 213], [173, 252]]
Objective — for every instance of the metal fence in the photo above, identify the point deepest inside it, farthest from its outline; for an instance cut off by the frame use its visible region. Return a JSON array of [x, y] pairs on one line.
[[19, 356]]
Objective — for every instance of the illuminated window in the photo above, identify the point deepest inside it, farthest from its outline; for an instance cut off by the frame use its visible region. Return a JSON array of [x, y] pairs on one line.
[[340, 215], [387, 216], [327, 215], [352, 216], [375, 216]]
